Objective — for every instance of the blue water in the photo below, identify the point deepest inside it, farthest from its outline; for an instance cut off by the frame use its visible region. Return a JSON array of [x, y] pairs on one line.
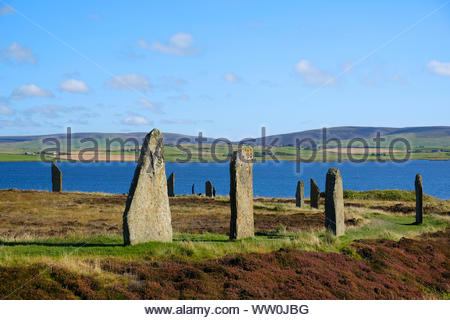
[[270, 179]]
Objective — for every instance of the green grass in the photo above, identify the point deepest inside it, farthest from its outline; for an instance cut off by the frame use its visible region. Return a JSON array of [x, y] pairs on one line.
[[197, 247], [7, 157], [15, 152], [391, 195]]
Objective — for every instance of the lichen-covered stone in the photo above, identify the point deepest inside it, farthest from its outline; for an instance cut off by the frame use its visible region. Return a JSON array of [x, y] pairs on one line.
[[208, 189], [419, 199], [241, 194], [171, 185], [334, 202], [56, 178], [314, 194], [300, 194], [147, 214]]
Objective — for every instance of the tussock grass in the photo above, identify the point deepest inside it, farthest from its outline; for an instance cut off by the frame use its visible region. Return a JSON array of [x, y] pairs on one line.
[[77, 231], [392, 195], [206, 246]]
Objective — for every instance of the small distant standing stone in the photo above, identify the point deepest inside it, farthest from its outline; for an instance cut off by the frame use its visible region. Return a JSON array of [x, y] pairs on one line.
[[147, 213], [241, 194], [214, 191], [56, 178], [419, 199], [171, 185], [208, 189], [300, 194], [193, 189], [334, 203], [314, 194]]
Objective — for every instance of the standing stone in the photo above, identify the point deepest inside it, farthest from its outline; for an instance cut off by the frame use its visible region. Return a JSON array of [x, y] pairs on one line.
[[147, 213], [56, 178], [241, 194], [314, 194], [300, 194], [193, 189], [334, 203], [208, 189], [171, 185], [214, 191], [419, 199]]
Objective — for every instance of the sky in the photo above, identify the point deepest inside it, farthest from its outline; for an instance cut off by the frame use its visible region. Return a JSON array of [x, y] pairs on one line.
[[223, 68]]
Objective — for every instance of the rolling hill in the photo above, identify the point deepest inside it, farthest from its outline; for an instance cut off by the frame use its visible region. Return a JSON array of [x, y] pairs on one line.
[[417, 136], [438, 136]]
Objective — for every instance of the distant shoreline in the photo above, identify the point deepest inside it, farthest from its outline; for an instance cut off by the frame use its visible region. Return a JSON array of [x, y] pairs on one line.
[[173, 159]]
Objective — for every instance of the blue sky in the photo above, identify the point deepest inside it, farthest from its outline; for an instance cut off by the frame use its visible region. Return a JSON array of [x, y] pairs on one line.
[[225, 68]]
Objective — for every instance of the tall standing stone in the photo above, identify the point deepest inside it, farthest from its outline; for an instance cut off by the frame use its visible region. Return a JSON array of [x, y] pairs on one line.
[[241, 194], [147, 213], [56, 178], [193, 189], [171, 185], [300, 194], [334, 203], [419, 199], [314, 194], [208, 189]]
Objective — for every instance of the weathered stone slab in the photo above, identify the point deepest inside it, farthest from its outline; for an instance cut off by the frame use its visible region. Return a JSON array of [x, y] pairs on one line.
[[193, 189], [334, 202], [214, 191], [300, 194], [56, 178], [314, 194], [171, 185], [241, 194], [208, 189], [147, 214], [419, 199]]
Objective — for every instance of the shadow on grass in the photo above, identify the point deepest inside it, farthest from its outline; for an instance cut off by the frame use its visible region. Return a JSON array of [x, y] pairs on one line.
[[272, 235], [47, 244], [200, 240], [411, 224], [91, 245]]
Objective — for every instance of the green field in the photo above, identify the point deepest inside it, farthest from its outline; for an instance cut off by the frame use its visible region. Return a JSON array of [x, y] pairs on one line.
[[198, 247], [69, 245], [221, 153]]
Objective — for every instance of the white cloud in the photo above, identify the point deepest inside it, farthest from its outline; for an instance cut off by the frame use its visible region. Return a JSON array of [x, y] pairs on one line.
[[398, 78], [181, 40], [348, 66], [48, 111], [56, 111], [179, 44], [18, 53], [154, 107], [232, 78], [5, 110], [180, 97], [130, 81], [5, 10], [74, 86], [136, 121], [30, 90], [177, 121], [19, 123], [440, 68], [172, 83], [313, 76]]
